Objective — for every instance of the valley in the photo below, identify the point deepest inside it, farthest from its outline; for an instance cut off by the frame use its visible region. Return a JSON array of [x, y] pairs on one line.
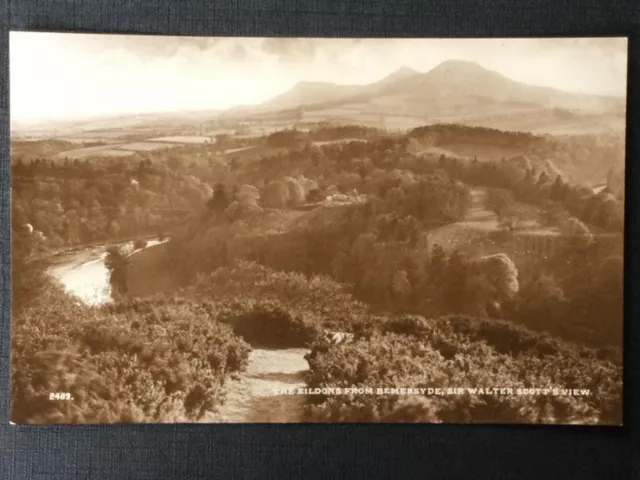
[[451, 227]]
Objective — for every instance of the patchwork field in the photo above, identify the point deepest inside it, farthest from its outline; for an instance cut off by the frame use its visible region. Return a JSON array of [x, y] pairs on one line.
[[82, 140], [340, 140], [184, 139], [99, 151], [142, 146]]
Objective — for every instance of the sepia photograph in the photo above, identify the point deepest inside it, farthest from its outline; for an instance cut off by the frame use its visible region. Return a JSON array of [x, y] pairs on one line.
[[316, 230]]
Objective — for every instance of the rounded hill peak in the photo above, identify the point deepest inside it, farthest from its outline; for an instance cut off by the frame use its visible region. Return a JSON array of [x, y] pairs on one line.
[[460, 66]]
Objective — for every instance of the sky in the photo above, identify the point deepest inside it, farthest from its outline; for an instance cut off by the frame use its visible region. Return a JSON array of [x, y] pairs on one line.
[[56, 76]]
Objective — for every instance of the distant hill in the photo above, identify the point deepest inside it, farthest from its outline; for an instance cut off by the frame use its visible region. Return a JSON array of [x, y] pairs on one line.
[[310, 93], [453, 92], [470, 81], [583, 159]]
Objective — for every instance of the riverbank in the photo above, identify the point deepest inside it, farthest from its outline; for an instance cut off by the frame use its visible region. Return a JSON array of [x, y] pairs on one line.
[[83, 273], [149, 272]]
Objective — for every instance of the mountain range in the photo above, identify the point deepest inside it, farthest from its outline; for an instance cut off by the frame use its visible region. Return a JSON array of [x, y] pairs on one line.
[[454, 91]]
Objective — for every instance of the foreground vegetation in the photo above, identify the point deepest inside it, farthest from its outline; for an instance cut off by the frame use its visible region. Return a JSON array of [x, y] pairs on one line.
[[136, 361], [461, 352], [167, 359]]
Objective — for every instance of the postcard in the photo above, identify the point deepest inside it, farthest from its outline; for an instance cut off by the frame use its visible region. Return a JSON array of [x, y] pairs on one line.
[[308, 230]]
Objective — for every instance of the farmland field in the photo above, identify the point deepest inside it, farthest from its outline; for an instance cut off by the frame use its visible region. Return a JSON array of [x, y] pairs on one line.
[[339, 140], [99, 151], [184, 139], [142, 146], [82, 140]]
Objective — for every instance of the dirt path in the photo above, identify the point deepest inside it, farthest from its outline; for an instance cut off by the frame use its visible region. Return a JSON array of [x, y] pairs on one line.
[[478, 211], [254, 398]]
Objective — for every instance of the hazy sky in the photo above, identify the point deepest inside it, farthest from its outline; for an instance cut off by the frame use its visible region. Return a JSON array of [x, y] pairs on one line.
[[58, 76]]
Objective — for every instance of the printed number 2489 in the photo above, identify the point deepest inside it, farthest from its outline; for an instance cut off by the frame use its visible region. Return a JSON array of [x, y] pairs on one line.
[[60, 396]]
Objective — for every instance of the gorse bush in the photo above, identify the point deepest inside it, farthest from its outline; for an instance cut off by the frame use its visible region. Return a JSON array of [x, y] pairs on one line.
[[276, 309], [461, 352], [269, 324], [136, 361], [320, 296]]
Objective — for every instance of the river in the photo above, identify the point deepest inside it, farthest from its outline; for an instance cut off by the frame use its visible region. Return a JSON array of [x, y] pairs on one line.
[[83, 273], [254, 397]]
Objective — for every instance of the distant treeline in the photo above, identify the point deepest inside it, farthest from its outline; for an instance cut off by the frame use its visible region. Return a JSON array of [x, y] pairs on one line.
[[75, 203]]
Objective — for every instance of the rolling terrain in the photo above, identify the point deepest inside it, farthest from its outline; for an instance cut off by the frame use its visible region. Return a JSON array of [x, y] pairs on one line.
[[453, 92]]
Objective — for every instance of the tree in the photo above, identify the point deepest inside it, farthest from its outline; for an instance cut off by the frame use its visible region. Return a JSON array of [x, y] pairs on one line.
[[117, 263], [400, 285], [558, 190], [248, 197], [395, 199], [540, 301], [233, 211], [512, 217], [315, 195], [552, 214], [608, 212], [455, 298], [222, 141], [501, 273], [174, 163], [28, 277], [275, 194], [499, 201], [437, 264], [220, 199], [296, 194]]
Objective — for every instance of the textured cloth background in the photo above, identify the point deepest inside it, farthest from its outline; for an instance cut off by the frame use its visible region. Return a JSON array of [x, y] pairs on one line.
[[328, 451]]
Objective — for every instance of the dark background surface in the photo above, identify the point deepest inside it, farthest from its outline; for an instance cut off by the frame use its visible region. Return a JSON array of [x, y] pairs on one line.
[[329, 451]]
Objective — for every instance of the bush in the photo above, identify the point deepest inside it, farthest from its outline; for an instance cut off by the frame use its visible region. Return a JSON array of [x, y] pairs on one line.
[[140, 361], [460, 352], [269, 324], [320, 296]]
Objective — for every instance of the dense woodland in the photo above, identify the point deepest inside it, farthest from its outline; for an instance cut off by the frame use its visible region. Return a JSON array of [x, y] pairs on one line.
[[331, 228]]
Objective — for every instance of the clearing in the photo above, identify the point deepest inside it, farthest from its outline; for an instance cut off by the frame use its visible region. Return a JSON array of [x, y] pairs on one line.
[[479, 226]]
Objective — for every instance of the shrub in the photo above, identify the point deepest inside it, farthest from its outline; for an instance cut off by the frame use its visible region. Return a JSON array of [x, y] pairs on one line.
[[269, 324], [318, 295], [139, 361], [460, 352]]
